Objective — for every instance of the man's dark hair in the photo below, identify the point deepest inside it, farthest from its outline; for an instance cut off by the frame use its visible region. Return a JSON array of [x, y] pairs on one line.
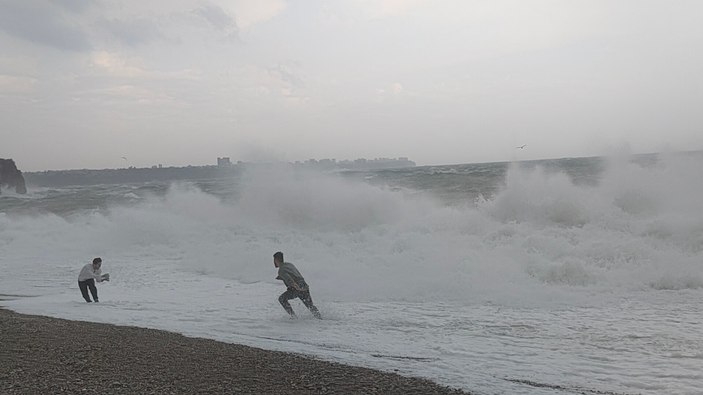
[[278, 256], [97, 260]]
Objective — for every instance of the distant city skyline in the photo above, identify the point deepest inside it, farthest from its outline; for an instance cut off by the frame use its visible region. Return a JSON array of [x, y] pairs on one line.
[[228, 161], [84, 84]]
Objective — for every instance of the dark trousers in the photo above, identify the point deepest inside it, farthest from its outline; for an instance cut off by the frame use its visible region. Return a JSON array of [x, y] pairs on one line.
[[84, 285], [304, 296]]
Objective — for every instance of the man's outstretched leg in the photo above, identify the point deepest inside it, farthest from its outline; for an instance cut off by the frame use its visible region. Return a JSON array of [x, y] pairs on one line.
[[83, 285], [307, 301], [93, 290], [283, 300]]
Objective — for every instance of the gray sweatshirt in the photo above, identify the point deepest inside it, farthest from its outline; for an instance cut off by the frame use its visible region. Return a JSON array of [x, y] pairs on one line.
[[289, 274], [87, 273]]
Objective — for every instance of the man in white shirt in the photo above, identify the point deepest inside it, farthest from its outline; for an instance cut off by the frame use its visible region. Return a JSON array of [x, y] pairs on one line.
[[86, 279]]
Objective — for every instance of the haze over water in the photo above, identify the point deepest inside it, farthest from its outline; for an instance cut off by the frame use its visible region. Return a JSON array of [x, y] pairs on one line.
[[566, 276]]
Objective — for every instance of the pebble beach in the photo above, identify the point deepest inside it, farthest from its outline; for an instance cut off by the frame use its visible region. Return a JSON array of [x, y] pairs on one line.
[[41, 355]]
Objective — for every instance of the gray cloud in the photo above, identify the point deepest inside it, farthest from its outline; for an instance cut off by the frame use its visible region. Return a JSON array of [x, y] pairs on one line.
[[77, 6], [285, 72], [133, 32], [41, 25], [217, 17]]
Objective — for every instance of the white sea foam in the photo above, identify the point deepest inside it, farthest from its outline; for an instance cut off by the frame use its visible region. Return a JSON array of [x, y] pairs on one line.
[[640, 227]]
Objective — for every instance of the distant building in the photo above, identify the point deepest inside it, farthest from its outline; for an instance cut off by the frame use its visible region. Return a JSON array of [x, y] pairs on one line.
[[224, 162]]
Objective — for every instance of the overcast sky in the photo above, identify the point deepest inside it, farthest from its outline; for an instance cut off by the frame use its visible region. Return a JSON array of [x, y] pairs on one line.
[[84, 83]]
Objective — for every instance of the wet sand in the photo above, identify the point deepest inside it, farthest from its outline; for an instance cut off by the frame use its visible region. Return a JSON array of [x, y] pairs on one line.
[[42, 355]]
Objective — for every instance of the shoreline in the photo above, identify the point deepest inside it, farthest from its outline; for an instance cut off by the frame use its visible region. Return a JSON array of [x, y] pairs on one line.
[[52, 355]]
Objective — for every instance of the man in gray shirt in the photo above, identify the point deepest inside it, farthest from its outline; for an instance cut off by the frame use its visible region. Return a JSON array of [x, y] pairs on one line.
[[297, 287]]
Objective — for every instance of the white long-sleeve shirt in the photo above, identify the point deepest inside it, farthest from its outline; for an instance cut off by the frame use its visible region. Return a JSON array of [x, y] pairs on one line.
[[87, 273]]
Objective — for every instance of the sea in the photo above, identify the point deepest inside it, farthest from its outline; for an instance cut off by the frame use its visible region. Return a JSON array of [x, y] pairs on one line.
[[568, 276]]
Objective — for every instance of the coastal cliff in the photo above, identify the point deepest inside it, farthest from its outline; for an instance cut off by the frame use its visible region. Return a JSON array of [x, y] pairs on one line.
[[11, 176]]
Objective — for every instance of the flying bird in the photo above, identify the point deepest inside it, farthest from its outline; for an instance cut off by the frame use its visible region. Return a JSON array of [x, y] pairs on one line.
[[522, 146], [123, 157]]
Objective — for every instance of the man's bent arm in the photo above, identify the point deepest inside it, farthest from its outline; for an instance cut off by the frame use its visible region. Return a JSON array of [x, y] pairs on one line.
[[288, 279]]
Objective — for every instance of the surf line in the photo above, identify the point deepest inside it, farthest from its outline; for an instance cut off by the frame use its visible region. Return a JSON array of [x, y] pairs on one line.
[[15, 297], [341, 348], [402, 357], [563, 388]]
